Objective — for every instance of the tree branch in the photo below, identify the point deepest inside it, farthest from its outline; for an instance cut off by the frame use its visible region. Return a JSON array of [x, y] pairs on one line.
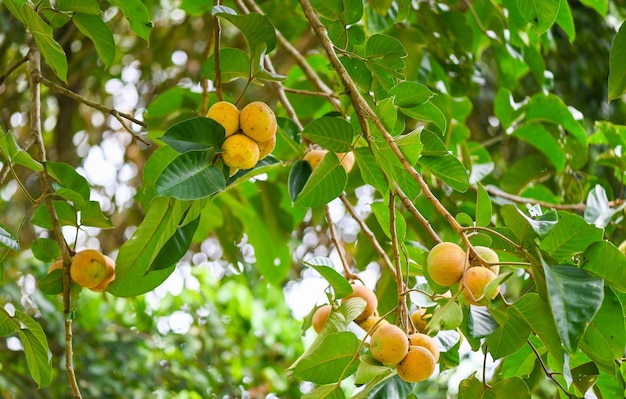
[[335, 240]]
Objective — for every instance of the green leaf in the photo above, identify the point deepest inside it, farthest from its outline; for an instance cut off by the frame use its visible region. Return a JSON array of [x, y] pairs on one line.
[[326, 183], [510, 337], [598, 210], [332, 391], [334, 134], [537, 314], [80, 6], [326, 268], [483, 206], [8, 325], [410, 94], [8, 239], [570, 236], [45, 249], [448, 169], [91, 215], [369, 369], [605, 337], [551, 108], [329, 9], [539, 137], [14, 153], [66, 214], [370, 170], [332, 358], [575, 297], [298, 176], [352, 11], [427, 112], [540, 223], [352, 308], [511, 388], [51, 51], [257, 28], [383, 215], [36, 349], [601, 6], [566, 21], [194, 134], [51, 283], [99, 33], [585, 376], [606, 261], [540, 13], [234, 64], [175, 247], [137, 15], [137, 253], [448, 317], [617, 65], [480, 322], [379, 46], [69, 178], [191, 176]]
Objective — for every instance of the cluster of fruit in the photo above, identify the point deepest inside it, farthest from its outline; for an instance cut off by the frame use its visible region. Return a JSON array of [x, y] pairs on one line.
[[90, 269], [250, 135], [446, 266], [415, 355]]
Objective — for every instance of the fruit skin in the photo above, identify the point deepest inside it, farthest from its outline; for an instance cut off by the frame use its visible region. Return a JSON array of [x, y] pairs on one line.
[[490, 256], [372, 324], [474, 283], [110, 263], [266, 147], [320, 317], [389, 344], [418, 365], [347, 160], [420, 319], [446, 263], [89, 268], [240, 152], [314, 157], [226, 114], [371, 300], [425, 341], [257, 121]]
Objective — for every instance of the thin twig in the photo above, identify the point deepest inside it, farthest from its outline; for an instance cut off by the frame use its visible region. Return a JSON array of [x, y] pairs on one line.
[[34, 57], [117, 114], [515, 198], [12, 68], [216, 54], [310, 92], [547, 372], [402, 308], [335, 240]]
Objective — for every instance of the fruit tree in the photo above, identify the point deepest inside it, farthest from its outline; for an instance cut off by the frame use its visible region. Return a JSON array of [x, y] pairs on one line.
[[313, 198]]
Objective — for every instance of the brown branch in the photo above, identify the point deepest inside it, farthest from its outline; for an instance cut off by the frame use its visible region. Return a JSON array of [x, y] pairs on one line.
[[403, 313], [410, 206], [216, 54], [34, 58], [368, 233], [515, 198], [12, 68], [547, 372], [77, 97], [335, 240]]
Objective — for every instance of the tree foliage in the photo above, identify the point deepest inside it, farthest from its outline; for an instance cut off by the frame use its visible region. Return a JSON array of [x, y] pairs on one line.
[[496, 123]]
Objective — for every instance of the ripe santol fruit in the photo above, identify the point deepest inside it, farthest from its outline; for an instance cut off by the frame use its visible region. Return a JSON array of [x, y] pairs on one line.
[[240, 152], [389, 344], [372, 324], [266, 147], [320, 317], [474, 283], [446, 263], [227, 115], [371, 301], [425, 341], [110, 276], [257, 121], [89, 268], [420, 319], [418, 365]]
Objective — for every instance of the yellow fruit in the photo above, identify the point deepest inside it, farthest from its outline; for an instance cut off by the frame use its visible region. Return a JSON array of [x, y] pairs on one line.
[[446, 263], [474, 283], [347, 160], [226, 114], [257, 121], [372, 323], [314, 157], [240, 152], [110, 276], [266, 147], [420, 319], [371, 300], [320, 317], [425, 341], [418, 365], [389, 344], [489, 256], [89, 268]]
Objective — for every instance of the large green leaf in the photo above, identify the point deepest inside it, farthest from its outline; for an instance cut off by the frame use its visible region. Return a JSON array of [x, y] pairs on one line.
[[410, 94], [445, 166], [383, 216], [332, 391], [552, 109], [257, 28], [540, 13], [334, 134], [35, 345], [326, 183], [176, 247], [617, 65], [137, 15], [8, 325], [69, 178], [605, 260], [14, 153], [80, 6], [99, 33], [335, 356], [370, 171], [570, 236], [326, 268], [191, 176], [45, 249], [234, 64], [510, 337], [137, 253], [193, 134], [539, 137], [575, 298]]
